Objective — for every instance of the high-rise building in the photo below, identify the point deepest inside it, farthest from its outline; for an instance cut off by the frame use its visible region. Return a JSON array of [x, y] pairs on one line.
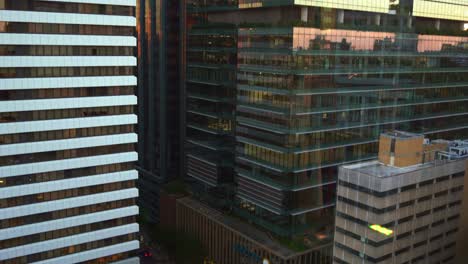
[[280, 93], [159, 100], [67, 138], [406, 206]]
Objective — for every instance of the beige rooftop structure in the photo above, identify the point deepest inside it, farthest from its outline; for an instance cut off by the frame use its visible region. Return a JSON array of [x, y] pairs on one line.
[[404, 207]]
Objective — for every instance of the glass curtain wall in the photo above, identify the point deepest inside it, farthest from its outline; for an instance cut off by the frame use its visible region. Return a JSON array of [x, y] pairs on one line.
[[317, 82]]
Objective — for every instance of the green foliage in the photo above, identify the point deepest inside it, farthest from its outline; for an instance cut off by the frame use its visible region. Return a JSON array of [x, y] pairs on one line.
[[181, 247], [143, 216], [294, 244], [176, 187]]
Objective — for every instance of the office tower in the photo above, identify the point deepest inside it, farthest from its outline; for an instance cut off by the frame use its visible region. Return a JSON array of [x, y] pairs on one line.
[[67, 138], [404, 207], [280, 93], [159, 100]]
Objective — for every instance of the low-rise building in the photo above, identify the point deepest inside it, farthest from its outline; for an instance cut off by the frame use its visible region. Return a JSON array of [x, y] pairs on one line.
[[404, 207], [230, 240]]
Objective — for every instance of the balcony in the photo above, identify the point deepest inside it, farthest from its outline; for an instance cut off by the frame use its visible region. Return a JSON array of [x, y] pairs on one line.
[[260, 194], [211, 49], [210, 98], [345, 70], [212, 66], [283, 186], [266, 48], [207, 169], [302, 111], [215, 129], [206, 112], [312, 166], [211, 144], [297, 90], [318, 147], [345, 124]]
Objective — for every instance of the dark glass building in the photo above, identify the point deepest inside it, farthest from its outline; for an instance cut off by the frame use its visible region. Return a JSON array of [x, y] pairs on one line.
[[159, 99], [210, 92], [281, 92], [67, 132]]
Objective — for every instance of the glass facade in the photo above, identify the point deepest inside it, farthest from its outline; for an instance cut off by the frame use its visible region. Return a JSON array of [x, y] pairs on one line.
[[316, 82], [67, 132], [210, 101]]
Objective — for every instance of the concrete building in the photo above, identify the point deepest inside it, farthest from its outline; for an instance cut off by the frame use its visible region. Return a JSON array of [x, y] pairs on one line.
[[462, 242], [406, 206], [67, 137]]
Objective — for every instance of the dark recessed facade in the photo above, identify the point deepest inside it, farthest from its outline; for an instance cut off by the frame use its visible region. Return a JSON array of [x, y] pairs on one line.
[[159, 100]]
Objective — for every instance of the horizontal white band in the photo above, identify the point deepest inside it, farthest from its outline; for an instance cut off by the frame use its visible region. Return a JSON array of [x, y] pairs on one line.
[[66, 18], [66, 82], [94, 254], [66, 40], [63, 242], [100, 2], [66, 164], [66, 103], [66, 61], [63, 144], [79, 182], [68, 123], [56, 205], [134, 260], [379, 6], [84, 219]]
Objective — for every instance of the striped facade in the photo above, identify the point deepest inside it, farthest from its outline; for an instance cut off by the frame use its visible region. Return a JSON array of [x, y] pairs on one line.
[[67, 137], [230, 241]]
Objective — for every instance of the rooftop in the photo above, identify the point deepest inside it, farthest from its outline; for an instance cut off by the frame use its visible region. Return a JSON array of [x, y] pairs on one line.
[[450, 151], [378, 169], [401, 134], [246, 230], [457, 149], [380, 177]]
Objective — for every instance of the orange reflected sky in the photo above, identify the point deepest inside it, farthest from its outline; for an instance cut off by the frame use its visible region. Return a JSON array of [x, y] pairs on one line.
[[360, 40], [428, 43], [365, 40]]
